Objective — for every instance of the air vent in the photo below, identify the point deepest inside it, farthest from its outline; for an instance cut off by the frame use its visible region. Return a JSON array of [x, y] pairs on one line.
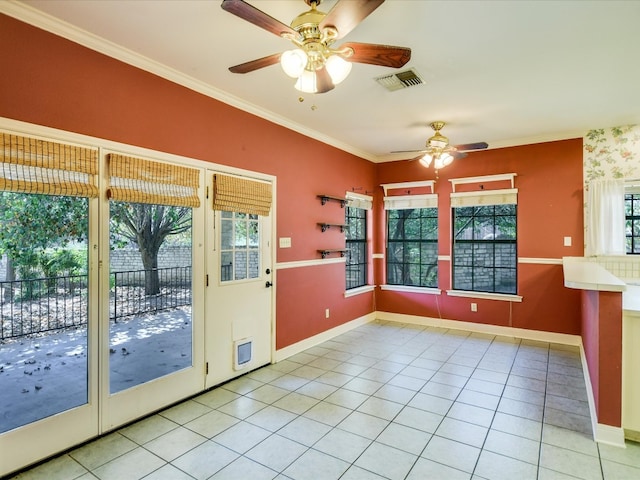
[[398, 81]]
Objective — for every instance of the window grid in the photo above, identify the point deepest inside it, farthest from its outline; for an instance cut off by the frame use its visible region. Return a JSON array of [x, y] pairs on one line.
[[240, 247], [485, 249], [356, 245], [412, 247], [632, 222]]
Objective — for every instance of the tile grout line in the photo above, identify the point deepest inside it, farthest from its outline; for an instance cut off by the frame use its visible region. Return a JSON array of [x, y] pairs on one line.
[[544, 410], [497, 406]]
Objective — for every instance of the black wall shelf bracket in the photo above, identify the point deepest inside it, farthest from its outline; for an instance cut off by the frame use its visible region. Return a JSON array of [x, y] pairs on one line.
[[327, 226], [326, 253], [328, 198]]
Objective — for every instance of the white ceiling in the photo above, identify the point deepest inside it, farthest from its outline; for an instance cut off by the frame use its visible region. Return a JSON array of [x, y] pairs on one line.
[[504, 72]]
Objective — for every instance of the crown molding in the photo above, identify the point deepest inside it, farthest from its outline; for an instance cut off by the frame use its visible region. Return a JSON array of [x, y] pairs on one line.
[[44, 21]]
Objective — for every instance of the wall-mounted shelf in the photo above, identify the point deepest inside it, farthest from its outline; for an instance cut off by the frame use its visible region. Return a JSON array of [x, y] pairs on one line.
[[326, 253], [328, 198], [327, 226], [484, 179]]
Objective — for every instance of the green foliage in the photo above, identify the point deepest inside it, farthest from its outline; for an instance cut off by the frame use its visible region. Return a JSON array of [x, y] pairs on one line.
[[32, 224], [412, 248], [147, 226]]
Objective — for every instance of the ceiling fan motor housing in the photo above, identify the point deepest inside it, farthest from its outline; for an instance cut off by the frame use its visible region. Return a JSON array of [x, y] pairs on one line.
[[437, 140], [312, 40]]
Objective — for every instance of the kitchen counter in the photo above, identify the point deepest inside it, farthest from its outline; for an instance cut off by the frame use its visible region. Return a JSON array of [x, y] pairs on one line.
[[584, 275]]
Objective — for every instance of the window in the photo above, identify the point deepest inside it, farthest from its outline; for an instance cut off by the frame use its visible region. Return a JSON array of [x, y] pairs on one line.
[[484, 248], [240, 249], [356, 244], [412, 247], [632, 222]]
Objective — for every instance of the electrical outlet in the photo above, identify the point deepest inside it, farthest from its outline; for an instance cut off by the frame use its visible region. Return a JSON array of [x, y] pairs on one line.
[[474, 307], [326, 313]]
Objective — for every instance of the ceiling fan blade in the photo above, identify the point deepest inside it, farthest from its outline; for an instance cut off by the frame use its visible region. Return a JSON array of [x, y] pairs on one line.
[[251, 14], [347, 14], [323, 81], [256, 64], [458, 155], [374, 54], [472, 146], [409, 151]]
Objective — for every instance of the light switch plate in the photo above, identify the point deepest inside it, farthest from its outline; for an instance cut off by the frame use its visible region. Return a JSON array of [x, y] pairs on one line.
[[567, 241]]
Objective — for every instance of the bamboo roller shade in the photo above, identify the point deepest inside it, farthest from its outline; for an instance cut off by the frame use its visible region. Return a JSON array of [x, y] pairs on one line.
[[145, 181], [235, 194], [29, 165]]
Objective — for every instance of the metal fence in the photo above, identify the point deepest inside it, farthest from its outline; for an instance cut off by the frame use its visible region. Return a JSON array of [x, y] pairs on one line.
[[42, 304], [47, 304], [129, 297]]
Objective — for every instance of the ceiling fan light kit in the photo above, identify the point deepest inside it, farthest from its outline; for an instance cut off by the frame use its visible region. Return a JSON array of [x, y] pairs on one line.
[[314, 63], [293, 62], [439, 152]]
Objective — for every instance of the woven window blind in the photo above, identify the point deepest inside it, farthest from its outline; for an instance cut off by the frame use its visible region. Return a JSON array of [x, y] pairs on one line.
[[235, 194], [28, 165], [145, 181]]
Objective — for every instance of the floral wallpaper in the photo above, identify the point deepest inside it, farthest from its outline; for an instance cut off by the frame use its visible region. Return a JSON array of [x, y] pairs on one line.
[[612, 153]]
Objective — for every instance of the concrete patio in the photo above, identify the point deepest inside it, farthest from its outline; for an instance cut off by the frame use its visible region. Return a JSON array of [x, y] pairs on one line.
[[46, 374]]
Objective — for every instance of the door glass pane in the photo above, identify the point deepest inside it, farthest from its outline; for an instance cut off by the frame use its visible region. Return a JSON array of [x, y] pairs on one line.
[[254, 238], [44, 302], [226, 238], [239, 247], [150, 293], [241, 264], [254, 263]]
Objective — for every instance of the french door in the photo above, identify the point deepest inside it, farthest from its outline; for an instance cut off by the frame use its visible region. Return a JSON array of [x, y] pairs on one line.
[[137, 334], [49, 397], [152, 350]]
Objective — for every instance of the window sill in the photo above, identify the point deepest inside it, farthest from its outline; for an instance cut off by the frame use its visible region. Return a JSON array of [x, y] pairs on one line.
[[411, 289], [359, 290], [505, 297]]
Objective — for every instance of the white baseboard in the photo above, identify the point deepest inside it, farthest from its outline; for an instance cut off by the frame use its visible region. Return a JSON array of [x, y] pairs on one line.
[[523, 333], [602, 433], [609, 435], [302, 345]]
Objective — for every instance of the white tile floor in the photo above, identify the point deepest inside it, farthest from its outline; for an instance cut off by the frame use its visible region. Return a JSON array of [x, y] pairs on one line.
[[385, 400]]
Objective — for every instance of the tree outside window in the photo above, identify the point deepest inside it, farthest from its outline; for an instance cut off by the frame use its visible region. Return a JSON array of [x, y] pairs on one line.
[[412, 247], [632, 222], [356, 244]]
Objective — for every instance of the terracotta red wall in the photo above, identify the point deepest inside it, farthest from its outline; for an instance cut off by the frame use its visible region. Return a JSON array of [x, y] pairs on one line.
[[602, 340], [47, 80], [591, 339], [549, 183]]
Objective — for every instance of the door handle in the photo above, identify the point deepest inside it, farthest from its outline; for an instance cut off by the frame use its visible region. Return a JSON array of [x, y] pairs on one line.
[[268, 284]]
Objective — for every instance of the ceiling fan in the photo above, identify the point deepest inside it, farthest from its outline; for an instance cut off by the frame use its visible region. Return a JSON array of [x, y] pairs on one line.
[[440, 152], [318, 66]]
